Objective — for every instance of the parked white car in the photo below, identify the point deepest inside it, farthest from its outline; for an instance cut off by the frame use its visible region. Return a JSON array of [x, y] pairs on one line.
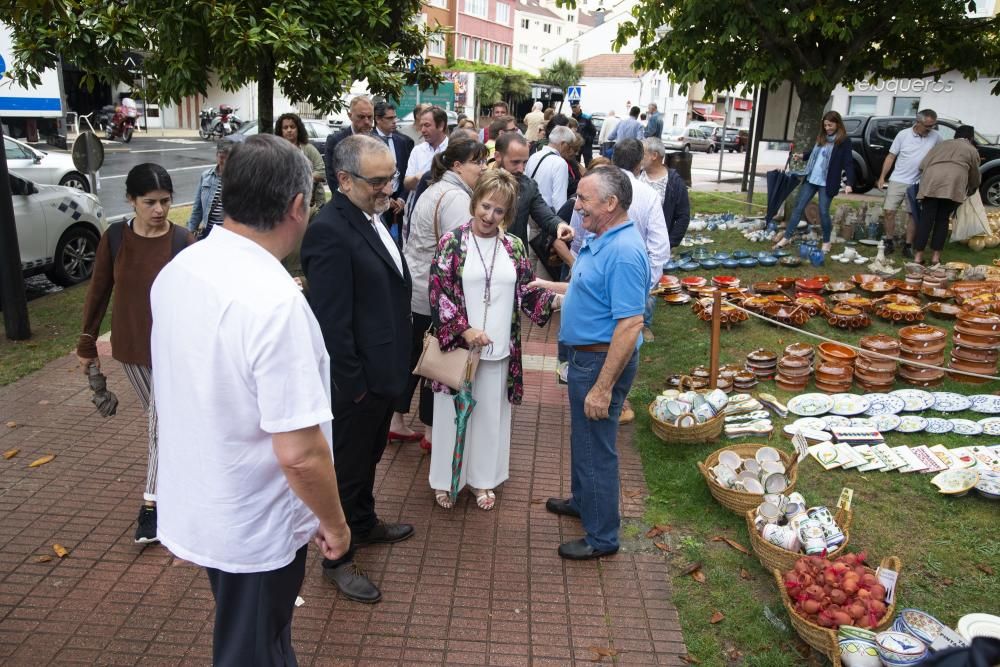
[[58, 229], [42, 167]]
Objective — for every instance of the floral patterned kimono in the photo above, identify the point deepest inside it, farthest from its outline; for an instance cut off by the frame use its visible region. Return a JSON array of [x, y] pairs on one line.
[[448, 311]]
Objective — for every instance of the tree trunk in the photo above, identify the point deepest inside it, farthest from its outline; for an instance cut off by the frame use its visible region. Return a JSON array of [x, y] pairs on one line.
[[265, 92], [810, 119]]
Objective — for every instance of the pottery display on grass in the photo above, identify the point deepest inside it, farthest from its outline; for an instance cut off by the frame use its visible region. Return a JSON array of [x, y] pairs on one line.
[[857, 652], [792, 315], [898, 648], [846, 317], [944, 311]]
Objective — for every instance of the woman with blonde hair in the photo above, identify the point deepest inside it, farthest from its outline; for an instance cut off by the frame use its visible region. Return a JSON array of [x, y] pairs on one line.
[[479, 287]]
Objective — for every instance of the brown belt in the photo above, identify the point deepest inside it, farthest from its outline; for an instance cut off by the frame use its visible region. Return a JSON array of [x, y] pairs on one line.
[[594, 347]]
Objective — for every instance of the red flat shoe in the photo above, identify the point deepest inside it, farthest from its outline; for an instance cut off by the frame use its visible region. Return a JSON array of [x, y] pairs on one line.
[[425, 444], [402, 437]]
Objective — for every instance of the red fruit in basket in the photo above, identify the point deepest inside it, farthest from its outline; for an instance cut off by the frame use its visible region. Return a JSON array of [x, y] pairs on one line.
[[850, 585], [842, 618], [877, 591], [825, 619], [864, 595], [868, 580], [877, 607], [810, 606], [802, 566], [815, 592], [857, 611]]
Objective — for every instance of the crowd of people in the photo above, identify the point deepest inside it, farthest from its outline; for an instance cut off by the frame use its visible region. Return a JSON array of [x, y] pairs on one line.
[[312, 316]]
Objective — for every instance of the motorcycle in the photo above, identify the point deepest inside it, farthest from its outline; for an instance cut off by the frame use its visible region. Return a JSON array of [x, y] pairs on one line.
[[207, 116], [121, 126], [227, 123]]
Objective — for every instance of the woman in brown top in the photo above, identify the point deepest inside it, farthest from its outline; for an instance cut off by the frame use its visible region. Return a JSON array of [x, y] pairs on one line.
[[948, 174], [129, 257]]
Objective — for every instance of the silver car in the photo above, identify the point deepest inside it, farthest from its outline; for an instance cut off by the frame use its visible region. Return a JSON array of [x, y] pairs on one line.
[[42, 167], [58, 229], [687, 139]]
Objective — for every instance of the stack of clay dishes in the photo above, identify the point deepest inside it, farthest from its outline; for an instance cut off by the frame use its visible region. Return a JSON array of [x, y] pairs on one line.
[[847, 317], [937, 293], [726, 281], [693, 282], [923, 343], [810, 285], [762, 363], [671, 291], [877, 374], [835, 368], [787, 314], [801, 350], [976, 345], [786, 282], [813, 303], [793, 372], [744, 381]]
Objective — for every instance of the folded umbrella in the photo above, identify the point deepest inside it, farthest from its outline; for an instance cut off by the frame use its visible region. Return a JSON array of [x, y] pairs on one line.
[[104, 399], [780, 184], [464, 403]]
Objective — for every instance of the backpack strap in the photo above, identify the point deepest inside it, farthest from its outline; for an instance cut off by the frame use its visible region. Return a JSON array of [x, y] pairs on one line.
[[179, 240], [115, 233]]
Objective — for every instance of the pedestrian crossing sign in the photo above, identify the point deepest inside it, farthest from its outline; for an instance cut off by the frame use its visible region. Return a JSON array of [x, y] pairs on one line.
[[573, 93]]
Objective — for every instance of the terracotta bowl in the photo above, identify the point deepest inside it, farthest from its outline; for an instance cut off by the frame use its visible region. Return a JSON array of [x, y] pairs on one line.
[[788, 386], [800, 350], [918, 351], [833, 372], [766, 287], [756, 302], [786, 282], [833, 388], [862, 278], [975, 355], [795, 373], [839, 286], [835, 351], [762, 356], [879, 343], [937, 293], [778, 298], [854, 301], [975, 341], [809, 285], [877, 287], [794, 361], [915, 373], [944, 311], [900, 298], [821, 278], [983, 322], [922, 333]]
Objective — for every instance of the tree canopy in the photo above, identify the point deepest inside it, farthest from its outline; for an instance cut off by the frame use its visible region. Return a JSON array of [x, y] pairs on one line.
[[814, 45], [562, 73], [312, 50]]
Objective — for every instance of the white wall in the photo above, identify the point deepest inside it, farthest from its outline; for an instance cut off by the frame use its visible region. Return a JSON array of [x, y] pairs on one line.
[[596, 41]]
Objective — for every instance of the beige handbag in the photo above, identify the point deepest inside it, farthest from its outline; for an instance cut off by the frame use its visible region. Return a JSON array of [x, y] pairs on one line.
[[449, 368]]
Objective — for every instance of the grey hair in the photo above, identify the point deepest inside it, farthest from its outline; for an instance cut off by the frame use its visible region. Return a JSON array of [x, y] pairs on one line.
[[926, 114], [349, 152], [612, 182], [263, 176], [561, 134], [537, 106], [654, 145], [357, 100], [653, 104], [461, 134]]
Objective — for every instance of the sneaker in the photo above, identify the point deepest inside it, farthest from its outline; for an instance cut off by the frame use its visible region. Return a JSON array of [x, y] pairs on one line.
[[647, 335], [562, 372], [145, 531], [890, 247]]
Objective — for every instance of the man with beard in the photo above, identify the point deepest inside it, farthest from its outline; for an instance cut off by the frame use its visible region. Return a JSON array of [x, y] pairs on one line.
[[359, 289]]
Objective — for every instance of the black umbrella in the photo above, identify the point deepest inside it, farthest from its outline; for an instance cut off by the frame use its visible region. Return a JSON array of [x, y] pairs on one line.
[[780, 184]]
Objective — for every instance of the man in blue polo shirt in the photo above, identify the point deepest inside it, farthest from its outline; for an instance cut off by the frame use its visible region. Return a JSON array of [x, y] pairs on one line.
[[602, 325]]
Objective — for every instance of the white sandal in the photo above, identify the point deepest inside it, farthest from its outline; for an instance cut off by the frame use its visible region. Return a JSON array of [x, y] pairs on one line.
[[485, 498], [443, 499]]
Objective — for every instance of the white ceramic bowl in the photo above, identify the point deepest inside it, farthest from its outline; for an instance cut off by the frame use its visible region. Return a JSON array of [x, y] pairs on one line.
[[897, 649], [856, 652]]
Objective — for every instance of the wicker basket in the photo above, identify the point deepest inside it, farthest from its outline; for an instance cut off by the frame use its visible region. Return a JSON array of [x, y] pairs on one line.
[[741, 501], [823, 639], [705, 432], [775, 558]]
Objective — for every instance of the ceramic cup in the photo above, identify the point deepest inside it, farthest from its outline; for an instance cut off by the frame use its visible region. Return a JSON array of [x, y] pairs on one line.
[[777, 499], [769, 512], [751, 465], [753, 486], [767, 454], [796, 497], [775, 483], [725, 475], [772, 467], [793, 510], [781, 536], [832, 534], [811, 536], [718, 399], [731, 459]]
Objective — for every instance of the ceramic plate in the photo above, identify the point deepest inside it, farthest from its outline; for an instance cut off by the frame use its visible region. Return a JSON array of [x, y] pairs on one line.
[[947, 401], [937, 425], [887, 422], [920, 624], [884, 404], [849, 404], [914, 400], [953, 482], [991, 425], [979, 625], [810, 405], [830, 421], [989, 487], [814, 423], [987, 404], [966, 427], [911, 423]]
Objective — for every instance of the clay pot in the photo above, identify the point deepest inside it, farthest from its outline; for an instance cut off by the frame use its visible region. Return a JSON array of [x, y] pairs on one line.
[[800, 350], [944, 311], [921, 349], [977, 243], [979, 322], [879, 343], [937, 293], [976, 341], [833, 388], [794, 387], [862, 278], [975, 355], [834, 371], [837, 352], [872, 366], [786, 282], [766, 287], [922, 333], [762, 356]]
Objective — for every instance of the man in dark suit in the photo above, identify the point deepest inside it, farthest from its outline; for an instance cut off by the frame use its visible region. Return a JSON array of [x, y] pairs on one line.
[[401, 146], [360, 113], [359, 289]]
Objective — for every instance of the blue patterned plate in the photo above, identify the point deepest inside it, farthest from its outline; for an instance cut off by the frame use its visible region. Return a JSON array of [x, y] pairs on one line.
[[948, 401], [987, 404], [884, 404], [967, 426], [937, 425]]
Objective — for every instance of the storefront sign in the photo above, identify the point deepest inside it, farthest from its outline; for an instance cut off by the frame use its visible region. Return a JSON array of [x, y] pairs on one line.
[[906, 86], [743, 105]]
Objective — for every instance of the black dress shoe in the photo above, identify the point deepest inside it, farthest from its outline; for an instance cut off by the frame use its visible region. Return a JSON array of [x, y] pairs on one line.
[[385, 533], [890, 247], [580, 550], [561, 506], [907, 251], [353, 583]]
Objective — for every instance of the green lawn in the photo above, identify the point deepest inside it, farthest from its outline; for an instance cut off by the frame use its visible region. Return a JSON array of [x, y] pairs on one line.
[[948, 546]]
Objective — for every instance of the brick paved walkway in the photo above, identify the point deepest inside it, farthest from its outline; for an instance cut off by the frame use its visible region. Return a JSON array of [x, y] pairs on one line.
[[471, 588]]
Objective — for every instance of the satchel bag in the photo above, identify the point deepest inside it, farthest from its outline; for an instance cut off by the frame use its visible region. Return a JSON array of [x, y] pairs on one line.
[[449, 368]]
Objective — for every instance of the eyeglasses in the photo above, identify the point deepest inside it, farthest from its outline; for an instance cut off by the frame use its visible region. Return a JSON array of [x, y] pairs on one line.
[[481, 163], [377, 182]]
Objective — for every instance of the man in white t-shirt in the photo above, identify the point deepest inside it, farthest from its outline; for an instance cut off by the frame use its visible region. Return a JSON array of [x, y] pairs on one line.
[[549, 170], [246, 476], [906, 153]]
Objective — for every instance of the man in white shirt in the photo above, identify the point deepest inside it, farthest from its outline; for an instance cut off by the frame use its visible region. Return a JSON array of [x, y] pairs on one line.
[[246, 476], [433, 124], [533, 123], [548, 168], [607, 127], [906, 153]]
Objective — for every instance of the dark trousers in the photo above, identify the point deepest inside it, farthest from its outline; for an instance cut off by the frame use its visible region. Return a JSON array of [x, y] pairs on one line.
[[933, 224], [253, 615], [421, 323], [360, 431]]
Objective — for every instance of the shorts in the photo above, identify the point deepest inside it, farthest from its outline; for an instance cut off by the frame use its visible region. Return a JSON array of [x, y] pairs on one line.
[[895, 197]]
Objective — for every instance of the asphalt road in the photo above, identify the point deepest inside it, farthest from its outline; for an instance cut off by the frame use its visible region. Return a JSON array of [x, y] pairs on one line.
[[184, 160]]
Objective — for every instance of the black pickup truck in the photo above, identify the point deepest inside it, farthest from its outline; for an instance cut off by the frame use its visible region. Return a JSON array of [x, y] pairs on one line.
[[871, 137]]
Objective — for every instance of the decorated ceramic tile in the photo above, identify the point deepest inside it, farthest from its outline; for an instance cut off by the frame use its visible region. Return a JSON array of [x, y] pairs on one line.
[[987, 404], [927, 458], [847, 457], [966, 426], [948, 401], [872, 461], [814, 423], [810, 405], [914, 400], [944, 455], [826, 454], [884, 404], [888, 457], [964, 457], [937, 425], [913, 464], [911, 424], [887, 422], [991, 425], [954, 482], [849, 404], [863, 422], [836, 420]]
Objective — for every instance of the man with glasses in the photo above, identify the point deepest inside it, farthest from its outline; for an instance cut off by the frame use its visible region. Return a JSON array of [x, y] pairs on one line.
[[361, 115], [499, 127], [401, 147], [905, 155], [359, 289]]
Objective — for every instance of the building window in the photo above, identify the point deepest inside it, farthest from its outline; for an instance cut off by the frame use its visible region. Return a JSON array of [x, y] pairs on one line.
[[525, 23], [435, 46], [656, 89], [443, 4], [503, 13], [523, 49], [547, 27], [506, 56], [476, 7], [463, 51], [475, 50], [861, 105], [496, 54], [558, 29], [905, 106], [675, 121]]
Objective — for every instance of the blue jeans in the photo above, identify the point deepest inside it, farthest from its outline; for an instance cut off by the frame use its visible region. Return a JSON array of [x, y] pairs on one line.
[[806, 193], [647, 317], [594, 468]]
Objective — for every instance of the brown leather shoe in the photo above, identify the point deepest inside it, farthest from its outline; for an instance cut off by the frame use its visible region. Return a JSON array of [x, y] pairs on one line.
[[627, 416]]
